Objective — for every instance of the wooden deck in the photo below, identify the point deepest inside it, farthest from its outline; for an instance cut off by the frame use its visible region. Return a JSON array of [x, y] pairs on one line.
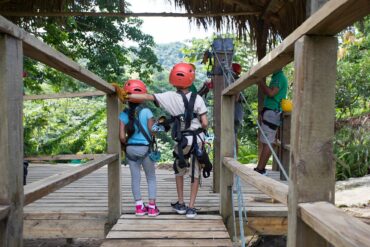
[[80, 209], [168, 230]]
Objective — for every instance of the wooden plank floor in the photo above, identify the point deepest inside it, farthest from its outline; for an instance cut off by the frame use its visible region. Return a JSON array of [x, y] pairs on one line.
[[168, 230], [80, 209], [89, 194]]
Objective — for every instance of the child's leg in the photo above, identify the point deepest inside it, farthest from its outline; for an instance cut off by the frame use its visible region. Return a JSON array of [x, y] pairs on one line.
[[180, 188], [135, 179], [134, 154], [195, 185], [194, 192], [149, 170]]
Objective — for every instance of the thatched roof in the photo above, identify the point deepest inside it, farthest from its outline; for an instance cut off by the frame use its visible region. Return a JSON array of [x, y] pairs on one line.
[[268, 18], [275, 17]]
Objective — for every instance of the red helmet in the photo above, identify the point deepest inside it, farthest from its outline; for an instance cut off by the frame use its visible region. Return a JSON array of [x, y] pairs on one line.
[[135, 87], [237, 68], [182, 75]]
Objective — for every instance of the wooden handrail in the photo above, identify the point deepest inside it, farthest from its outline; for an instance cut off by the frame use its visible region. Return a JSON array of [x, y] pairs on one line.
[[63, 157], [36, 49], [64, 95], [41, 188], [330, 19], [333, 224], [269, 186], [4, 211]]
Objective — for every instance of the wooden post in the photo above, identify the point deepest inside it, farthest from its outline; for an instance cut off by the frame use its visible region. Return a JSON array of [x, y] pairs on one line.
[[223, 56], [11, 140], [114, 168], [218, 86], [227, 150], [312, 170], [285, 140]]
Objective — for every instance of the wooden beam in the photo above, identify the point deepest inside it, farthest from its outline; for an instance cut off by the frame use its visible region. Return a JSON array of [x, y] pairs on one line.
[[64, 228], [114, 168], [63, 95], [330, 19], [127, 15], [4, 211], [218, 86], [41, 188], [63, 157], [227, 149], [11, 139], [285, 143], [269, 186], [336, 226], [36, 49], [265, 225], [312, 170]]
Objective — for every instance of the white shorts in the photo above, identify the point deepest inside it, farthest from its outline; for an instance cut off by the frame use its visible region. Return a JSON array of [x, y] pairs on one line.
[[270, 134], [271, 117]]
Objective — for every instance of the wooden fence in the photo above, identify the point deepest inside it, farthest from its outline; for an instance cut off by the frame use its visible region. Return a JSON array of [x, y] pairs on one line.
[[313, 220], [14, 44]]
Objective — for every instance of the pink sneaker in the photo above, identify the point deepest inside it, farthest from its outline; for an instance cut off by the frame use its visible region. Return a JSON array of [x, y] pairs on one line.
[[153, 212], [141, 210]]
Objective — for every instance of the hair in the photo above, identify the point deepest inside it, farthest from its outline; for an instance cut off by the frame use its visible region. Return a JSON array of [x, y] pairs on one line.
[[130, 127]]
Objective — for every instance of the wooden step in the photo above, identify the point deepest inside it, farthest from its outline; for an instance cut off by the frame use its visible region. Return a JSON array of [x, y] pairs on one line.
[[168, 230]]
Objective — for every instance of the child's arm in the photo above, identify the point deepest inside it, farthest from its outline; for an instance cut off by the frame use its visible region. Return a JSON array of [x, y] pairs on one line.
[[122, 133], [204, 121], [150, 125], [146, 97]]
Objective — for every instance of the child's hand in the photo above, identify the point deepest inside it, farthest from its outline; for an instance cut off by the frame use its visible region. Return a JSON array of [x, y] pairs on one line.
[[121, 93]]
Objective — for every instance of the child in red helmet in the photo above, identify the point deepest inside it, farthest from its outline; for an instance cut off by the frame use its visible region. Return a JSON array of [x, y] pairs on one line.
[[189, 119], [135, 134]]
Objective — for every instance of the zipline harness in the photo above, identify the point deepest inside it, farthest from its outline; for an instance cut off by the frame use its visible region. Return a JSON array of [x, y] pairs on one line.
[[153, 152], [180, 131]]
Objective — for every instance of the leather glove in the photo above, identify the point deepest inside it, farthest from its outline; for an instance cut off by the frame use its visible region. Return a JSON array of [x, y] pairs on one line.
[[121, 93]]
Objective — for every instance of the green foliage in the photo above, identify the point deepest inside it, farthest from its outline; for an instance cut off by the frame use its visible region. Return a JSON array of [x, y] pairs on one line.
[[98, 43], [353, 87], [169, 54], [351, 148], [65, 126]]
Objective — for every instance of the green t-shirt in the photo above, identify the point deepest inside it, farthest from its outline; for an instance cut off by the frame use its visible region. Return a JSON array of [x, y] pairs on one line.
[[280, 81]]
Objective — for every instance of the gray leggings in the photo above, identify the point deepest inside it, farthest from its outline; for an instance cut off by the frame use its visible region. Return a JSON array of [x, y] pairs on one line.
[[137, 156]]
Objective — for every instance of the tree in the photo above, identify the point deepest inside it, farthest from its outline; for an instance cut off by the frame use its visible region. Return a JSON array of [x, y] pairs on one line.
[[98, 43]]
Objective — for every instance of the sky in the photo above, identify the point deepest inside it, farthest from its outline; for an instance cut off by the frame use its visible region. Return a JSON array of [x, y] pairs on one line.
[[166, 29]]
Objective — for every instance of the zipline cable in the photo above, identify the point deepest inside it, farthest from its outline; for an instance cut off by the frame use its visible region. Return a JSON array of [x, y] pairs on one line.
[[240, 198], [230, 72]]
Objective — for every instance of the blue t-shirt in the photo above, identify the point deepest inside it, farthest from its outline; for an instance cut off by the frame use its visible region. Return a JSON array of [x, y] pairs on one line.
[[138, 137]]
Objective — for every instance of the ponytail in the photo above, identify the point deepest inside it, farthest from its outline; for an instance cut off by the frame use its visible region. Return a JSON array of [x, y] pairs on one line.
[[130, 127]]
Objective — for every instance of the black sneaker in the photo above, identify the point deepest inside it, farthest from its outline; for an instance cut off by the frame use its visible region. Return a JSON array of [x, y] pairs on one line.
[[191, 213], [179, 208], [262, 172]]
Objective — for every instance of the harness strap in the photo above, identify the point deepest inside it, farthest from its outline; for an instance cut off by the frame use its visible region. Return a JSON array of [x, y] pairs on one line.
[[189, 107], [142, 131], [269, 124]]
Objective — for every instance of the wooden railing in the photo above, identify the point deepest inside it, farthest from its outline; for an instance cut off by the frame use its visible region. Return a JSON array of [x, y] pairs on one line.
[[313, 220], [14, 43], [43, 187]]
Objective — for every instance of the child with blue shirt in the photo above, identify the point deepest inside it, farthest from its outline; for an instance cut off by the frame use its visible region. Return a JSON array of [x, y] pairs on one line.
[[135, 133]]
